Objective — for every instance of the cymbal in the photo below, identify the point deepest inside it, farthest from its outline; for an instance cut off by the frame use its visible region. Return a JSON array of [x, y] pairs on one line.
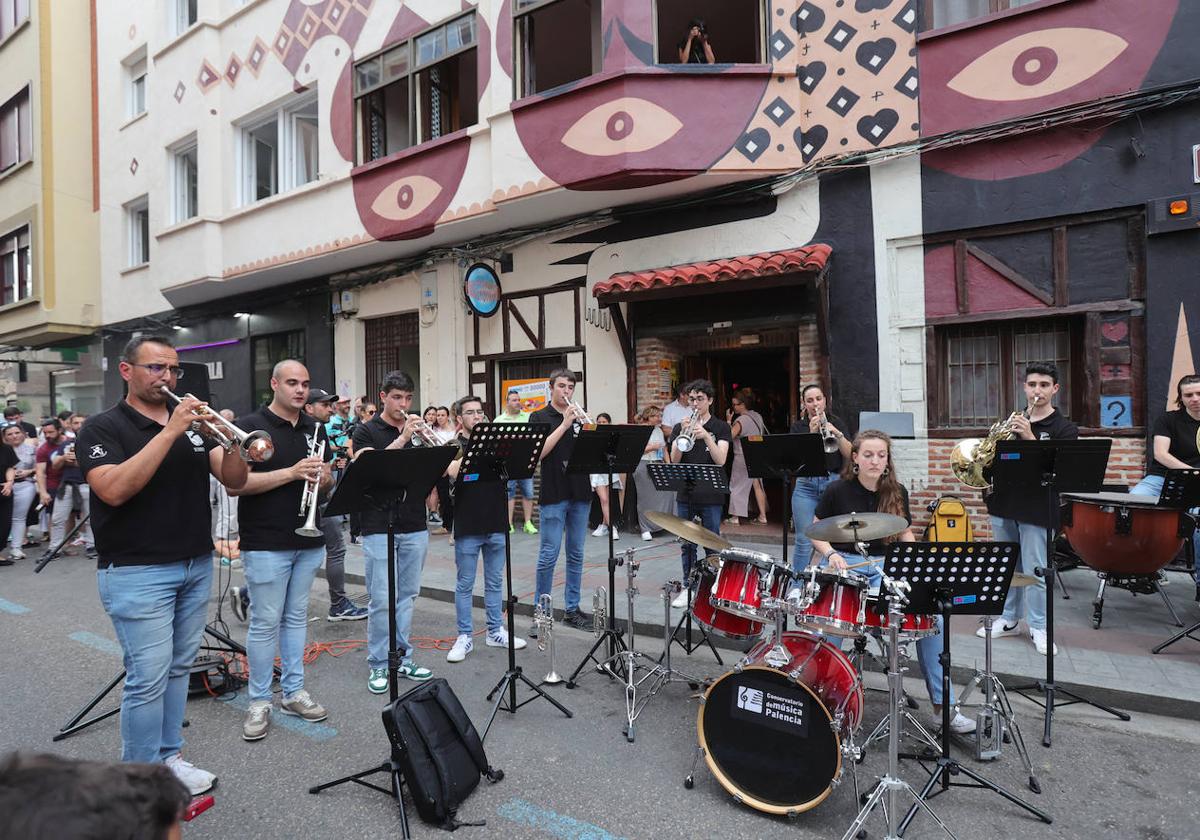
[[856, 527], [1023, 580], [688, 530]]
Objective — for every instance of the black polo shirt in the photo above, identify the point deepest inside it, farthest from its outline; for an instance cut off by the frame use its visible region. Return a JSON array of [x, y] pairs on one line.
[[166, 521], [721, 431], [377, 433], [480, 507], [557, 484], [1182, 431]]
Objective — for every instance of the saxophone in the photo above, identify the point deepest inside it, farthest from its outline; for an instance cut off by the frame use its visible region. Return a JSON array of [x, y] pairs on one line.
[[972, 456]]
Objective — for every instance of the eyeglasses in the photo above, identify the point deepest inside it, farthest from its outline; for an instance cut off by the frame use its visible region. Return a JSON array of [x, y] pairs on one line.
[[698, 398], [157, 369]]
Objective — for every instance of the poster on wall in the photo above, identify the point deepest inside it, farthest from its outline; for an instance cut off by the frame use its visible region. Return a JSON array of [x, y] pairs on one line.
[[534, 393]]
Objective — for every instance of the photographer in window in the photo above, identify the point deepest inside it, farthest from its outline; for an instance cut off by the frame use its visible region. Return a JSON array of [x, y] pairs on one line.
[[695, 48]]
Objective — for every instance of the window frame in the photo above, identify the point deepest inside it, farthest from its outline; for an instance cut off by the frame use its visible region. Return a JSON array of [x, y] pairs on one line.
[[521, 77], [16, 19], [136, 87], [13, 244], [764, 35], [284, 177], [21, 101], [257, 393], [186, 14], [185, 207], [996, 9], [137, 232]]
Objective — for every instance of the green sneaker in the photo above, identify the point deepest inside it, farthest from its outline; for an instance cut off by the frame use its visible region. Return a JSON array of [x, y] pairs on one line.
[[529, 529], [377, 683], [412, 671], [511, 529]]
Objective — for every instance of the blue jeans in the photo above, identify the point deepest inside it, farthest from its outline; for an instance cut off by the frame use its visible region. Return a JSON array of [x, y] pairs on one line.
[[279, 584], [805, 496], [1033, 556], [570, 518], [410, 560], [158, 613], [1152, 485], [525, 485], [466, 558], [710, 518]]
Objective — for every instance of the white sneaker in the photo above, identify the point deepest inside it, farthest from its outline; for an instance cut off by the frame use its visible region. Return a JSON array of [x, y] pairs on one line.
[[462, 646], [499, 638], [1039, 641], [960, 725], [647, 536], [616, 533], [601, 530], [681, 600], [999, 628], [16, 554], [197, 781]]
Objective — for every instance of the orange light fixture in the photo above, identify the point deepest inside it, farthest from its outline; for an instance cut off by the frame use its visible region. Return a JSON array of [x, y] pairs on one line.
[[1178, 208]]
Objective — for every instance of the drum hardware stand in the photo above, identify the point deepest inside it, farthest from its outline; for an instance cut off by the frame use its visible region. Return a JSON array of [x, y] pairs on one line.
[[685, 621], [1135, 585], [883, 728], [1180, 489], [995, 718]]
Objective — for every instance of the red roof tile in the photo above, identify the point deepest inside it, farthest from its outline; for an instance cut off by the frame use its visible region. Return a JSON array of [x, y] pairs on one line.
[[808, 258]]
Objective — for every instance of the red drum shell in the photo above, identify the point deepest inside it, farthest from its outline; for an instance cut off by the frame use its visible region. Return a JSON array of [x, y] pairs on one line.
[[911, 627], [721, 623], [1152, 541], [836, 610], [736, 588]]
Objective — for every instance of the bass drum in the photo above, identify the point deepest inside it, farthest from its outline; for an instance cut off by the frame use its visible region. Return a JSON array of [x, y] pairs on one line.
[[768, 734]]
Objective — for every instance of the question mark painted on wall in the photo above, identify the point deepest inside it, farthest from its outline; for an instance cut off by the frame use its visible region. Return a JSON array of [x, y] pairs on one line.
[[1116, 410]]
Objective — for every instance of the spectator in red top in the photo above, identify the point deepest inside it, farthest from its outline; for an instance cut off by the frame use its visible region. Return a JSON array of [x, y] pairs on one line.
[[46, 478]]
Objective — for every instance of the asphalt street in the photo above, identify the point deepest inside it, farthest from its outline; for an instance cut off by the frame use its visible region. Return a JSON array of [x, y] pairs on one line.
[[564, 778]]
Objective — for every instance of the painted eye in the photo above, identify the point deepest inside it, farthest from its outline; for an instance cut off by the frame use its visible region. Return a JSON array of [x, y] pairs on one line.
[[408, 197], [622, 126], [1038, 64]]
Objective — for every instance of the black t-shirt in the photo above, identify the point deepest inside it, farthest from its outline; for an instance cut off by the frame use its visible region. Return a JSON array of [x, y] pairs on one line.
[[833, 460], [847, 495], [720, 431], [167, 520], [557, 484], [377, 433], [68, 474], [30, 429], [8, 458], [1054, 427], [480, 507], [1181, 429]]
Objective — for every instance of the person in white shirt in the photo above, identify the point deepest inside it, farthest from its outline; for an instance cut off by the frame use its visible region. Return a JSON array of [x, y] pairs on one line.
[[676, 412]]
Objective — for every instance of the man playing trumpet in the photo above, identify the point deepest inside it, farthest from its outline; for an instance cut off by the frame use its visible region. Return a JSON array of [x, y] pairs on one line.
[[279, 563]]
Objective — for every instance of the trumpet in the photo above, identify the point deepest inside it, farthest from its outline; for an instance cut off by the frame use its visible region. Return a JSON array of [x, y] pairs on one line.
[[422, 434], [828, 438], [579, 412], [255, 446], [543, 619], [687, 433], [308, 501]]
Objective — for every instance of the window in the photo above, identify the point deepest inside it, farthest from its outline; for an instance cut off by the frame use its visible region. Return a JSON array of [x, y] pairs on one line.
[[939, 13], [137, 224], [279, 151], [736, 28], [16, 131], [186, 14], [16, 268], [185, 185], [391, 343], [983, 368], [417, 91], [135, 100], [555, 43], [12, 14], [269, 350]]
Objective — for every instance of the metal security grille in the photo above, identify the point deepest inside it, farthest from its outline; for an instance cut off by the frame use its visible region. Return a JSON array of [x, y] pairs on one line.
[[386, 338]]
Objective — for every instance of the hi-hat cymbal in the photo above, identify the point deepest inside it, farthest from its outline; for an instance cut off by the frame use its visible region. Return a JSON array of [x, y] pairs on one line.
[[856, 527], [1023, 580], [688, 530]]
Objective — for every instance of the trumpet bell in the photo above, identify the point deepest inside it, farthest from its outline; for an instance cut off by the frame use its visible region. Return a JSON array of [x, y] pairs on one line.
[[257, 447], [305, 531]]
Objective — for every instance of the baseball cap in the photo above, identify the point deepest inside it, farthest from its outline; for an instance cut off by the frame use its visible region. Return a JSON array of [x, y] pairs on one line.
[[316, 395]]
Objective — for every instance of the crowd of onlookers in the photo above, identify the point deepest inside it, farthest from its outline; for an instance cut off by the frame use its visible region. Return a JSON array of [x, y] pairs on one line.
[[43, 495]]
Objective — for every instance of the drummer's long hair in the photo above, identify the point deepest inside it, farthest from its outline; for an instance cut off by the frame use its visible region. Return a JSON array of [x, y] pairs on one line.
[[1190, 379], [891, 498]]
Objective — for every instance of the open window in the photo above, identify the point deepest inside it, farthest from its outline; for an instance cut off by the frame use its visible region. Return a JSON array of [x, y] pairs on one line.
[[137, 231], [939, 13], [16, 268], [556, 42], [279, 150], [185, 192], [16, 131], [734, 29]]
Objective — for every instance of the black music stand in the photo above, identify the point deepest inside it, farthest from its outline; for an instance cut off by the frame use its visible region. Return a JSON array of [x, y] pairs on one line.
[[382, 479], [954, 579], [684, 479], [608, 449], [1058, 466], [787, 457], [1181, 490], [504, 452]]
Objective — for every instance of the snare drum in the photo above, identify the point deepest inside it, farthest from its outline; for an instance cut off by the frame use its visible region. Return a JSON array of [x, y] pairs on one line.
[[741, 577], [838, 608], [713, 620], [911, 627]]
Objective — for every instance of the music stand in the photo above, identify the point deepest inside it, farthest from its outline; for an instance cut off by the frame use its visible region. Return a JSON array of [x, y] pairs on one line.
[[954, 579], [686, 478], [1181, 490], [504, 452], [787, 457], [608, 449], [382, 479], [1058, 466]]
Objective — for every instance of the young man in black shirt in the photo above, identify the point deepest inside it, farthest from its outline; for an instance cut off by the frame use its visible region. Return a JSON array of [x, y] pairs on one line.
[[392, 427], [480, 517], [279, 563], [564, 499], [711, 438], [1043, 423], [149, 473]]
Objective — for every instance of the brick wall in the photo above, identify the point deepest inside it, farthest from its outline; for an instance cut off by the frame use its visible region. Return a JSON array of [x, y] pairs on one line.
[[653, 379], [810, 369]]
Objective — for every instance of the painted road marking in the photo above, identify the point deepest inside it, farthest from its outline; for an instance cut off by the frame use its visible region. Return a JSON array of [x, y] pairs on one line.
[[554, 824], [316, 731], [10, 607], [97, 642]]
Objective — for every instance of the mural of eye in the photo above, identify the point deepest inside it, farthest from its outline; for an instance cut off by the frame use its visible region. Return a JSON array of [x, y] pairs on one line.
[[405, 198], [622, 126], [1038, 64]]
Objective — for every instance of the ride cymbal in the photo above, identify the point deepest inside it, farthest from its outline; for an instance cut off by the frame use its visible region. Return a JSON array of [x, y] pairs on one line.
[[856, 527]]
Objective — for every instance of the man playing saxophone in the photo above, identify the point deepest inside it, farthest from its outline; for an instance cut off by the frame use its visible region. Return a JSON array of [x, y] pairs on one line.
[[1041, 421]]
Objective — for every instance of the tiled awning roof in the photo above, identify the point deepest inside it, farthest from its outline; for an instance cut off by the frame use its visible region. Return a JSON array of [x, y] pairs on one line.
[[810, 258]]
